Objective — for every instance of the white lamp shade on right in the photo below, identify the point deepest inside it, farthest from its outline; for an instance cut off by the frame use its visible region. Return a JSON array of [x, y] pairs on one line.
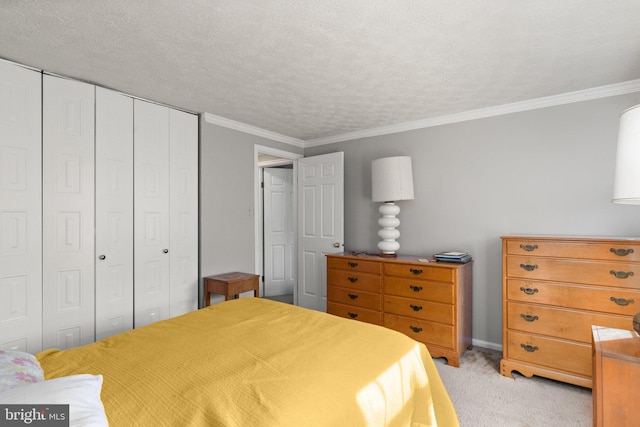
[[391, 179], [626, 187]]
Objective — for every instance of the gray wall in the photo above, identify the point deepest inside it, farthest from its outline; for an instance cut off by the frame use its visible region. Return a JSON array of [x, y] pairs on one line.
[[546, 171], [227, 235]]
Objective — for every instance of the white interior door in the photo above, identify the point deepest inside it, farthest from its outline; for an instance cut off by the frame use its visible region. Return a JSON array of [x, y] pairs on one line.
[[20, 209], [114, 213], [68, 152], [279, 234], [320, 224]]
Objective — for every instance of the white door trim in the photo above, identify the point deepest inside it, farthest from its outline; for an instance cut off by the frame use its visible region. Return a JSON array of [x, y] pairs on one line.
[[261, 149]]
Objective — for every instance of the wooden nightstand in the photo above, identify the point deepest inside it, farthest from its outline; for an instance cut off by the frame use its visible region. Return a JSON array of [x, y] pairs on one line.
[[616, 375], [230, 284]]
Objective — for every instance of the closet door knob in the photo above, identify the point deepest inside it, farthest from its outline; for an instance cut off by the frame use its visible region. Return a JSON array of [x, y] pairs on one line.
[[102, 257], [166, 251]]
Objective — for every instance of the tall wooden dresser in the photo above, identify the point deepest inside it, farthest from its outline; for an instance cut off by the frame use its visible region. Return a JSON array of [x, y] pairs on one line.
[[554, 290], [430, 302]]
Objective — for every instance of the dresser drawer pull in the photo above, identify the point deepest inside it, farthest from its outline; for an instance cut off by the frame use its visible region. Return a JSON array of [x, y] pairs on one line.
[[352, 315], [621, 301], [529, 267], [529, 248], [353, 264], [529, 291], [621, 274], [416, 328], [415, 271], [529, 348], [415, 288], [621, 252], [352, 279], [353, 296], [528, 317], [415, 307]]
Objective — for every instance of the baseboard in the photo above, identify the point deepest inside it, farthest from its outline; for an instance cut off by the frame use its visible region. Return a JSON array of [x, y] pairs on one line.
[[486, 344]]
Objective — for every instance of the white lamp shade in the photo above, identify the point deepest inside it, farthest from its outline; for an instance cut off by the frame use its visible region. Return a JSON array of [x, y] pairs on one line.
[[391, 179], [626, 187]]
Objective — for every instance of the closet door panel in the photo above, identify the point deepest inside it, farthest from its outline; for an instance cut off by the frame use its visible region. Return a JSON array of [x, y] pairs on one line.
[[20, 209], [68, 212], [114, 213], [151, 212], [184, 212]]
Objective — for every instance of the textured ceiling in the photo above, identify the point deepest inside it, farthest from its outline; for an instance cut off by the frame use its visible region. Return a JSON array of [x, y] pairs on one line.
[[319, 68]]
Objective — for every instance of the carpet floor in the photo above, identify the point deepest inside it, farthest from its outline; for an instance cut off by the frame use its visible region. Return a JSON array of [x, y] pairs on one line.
[[483, 397]]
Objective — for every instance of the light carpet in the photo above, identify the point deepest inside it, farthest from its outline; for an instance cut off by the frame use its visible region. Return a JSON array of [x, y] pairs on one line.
[[483, 397]]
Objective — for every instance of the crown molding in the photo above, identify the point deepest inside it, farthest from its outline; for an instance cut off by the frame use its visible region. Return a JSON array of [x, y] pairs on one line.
[[253, 130], [532, 104], [481, 113]]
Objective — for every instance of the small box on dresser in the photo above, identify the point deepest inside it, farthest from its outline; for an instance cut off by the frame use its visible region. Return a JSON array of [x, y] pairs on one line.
[[430, 302], [554, 290]]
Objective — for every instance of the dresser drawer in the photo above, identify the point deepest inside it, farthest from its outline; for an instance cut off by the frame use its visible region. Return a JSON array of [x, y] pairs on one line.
[[613, 251], [421, 330], [354, 297], [419, 309], [420, 271], [575, 271], [606, 300], [357, 313], [352, 264], [354, 279], [549, 352], [561, 323], [418, 289]]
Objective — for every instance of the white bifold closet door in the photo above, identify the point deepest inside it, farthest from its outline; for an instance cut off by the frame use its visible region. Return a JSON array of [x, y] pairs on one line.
[[165, 212], [183, 170], [68, 213], [114, 213], [20, 209], [151, 215]]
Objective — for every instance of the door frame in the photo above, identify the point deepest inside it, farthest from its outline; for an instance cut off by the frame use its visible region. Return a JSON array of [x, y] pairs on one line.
[[257, 206]]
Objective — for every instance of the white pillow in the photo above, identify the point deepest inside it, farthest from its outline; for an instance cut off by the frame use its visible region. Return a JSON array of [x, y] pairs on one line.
[[80, 392], [17, 369]]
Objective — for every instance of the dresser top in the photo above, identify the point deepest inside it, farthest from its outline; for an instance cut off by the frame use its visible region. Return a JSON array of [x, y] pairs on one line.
[[570, 237], [401, 258], [617, 343]]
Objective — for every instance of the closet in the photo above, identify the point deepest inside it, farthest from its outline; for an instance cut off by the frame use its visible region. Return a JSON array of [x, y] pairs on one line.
[[99, 213], [166, 217]]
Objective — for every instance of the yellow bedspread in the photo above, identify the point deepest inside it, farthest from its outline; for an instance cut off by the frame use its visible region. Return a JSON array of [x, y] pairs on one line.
[[254, 362]]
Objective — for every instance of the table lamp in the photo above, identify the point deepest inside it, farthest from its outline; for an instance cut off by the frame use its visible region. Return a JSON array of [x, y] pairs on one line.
[[391, 181], [626, 187]]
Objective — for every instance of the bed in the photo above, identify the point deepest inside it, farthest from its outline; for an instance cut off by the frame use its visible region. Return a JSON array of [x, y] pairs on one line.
[[256, 362]]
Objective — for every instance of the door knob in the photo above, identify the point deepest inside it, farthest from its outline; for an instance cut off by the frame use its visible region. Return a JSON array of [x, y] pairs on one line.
[[336, 245], [102, 257], [166, 251]]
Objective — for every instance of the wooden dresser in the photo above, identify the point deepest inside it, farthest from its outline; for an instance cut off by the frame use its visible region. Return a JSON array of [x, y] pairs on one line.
[[554, 290], [428, 301]]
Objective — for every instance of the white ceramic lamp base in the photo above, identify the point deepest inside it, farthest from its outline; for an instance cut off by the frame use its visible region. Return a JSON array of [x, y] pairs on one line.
[[388, 245]]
